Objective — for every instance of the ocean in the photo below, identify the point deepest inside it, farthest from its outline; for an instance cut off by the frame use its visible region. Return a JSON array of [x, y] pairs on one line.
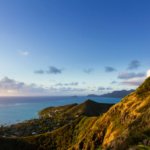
[[17, 109]]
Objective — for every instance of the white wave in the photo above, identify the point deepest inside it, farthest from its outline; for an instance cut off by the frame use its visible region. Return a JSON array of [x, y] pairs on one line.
[[13, 105]]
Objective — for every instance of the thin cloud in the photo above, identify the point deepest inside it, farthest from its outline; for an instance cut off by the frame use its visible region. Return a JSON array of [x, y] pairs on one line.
[[113, 82], [69, 89], [54, 70], [132, 83], [101, 88], [39, 71], [11, 86], [24, 53], [135, 64], [109, 69], [88, 70], [131, 75], [134, 79], [109, 88], [67, 84]]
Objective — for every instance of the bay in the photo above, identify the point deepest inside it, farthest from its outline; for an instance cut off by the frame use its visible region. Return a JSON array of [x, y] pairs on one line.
[[17, 109]]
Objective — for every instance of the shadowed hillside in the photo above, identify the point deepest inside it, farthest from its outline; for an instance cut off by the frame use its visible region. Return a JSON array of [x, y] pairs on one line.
[[88, 108]]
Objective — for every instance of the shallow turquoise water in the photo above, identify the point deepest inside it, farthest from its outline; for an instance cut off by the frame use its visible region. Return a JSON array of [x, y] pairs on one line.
[[17, 109]]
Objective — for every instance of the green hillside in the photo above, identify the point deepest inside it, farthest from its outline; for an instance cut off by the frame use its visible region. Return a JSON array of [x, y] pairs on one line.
[[88, 108]]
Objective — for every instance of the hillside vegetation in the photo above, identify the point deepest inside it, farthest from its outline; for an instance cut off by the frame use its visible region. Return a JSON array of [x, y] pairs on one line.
[[88, 108], [124, 126]]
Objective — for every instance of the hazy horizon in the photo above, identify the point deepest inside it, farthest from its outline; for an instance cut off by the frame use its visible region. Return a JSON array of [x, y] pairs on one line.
[[56, 48]]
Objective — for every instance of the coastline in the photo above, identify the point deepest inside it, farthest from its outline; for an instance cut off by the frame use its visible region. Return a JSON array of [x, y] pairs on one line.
[[20, 110]]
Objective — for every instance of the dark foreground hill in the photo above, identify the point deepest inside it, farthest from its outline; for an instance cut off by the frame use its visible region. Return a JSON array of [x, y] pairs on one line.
[[125, 126], [88, 108]]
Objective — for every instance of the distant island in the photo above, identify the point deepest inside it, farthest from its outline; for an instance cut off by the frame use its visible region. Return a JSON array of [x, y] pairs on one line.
[[114, 94]]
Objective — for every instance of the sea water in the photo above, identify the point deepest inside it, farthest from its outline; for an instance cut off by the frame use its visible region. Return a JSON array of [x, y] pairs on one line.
[[17, 109]]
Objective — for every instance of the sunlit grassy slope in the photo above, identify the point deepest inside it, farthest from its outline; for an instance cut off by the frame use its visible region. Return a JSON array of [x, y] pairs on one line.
[[125, 124]]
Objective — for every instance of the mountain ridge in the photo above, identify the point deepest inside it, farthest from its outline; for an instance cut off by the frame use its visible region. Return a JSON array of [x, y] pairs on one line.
[[114, 94]]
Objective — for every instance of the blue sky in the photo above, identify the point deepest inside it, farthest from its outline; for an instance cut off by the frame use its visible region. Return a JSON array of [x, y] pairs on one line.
[[73, 47]]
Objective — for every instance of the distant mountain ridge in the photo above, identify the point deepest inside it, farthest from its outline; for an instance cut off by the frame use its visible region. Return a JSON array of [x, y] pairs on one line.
[[118, 94], [114, 94]]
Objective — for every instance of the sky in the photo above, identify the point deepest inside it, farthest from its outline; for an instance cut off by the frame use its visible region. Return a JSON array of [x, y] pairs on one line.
[[73, 47]]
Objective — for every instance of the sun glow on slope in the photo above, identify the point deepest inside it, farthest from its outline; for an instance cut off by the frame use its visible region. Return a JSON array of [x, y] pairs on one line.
[[148, 73]]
